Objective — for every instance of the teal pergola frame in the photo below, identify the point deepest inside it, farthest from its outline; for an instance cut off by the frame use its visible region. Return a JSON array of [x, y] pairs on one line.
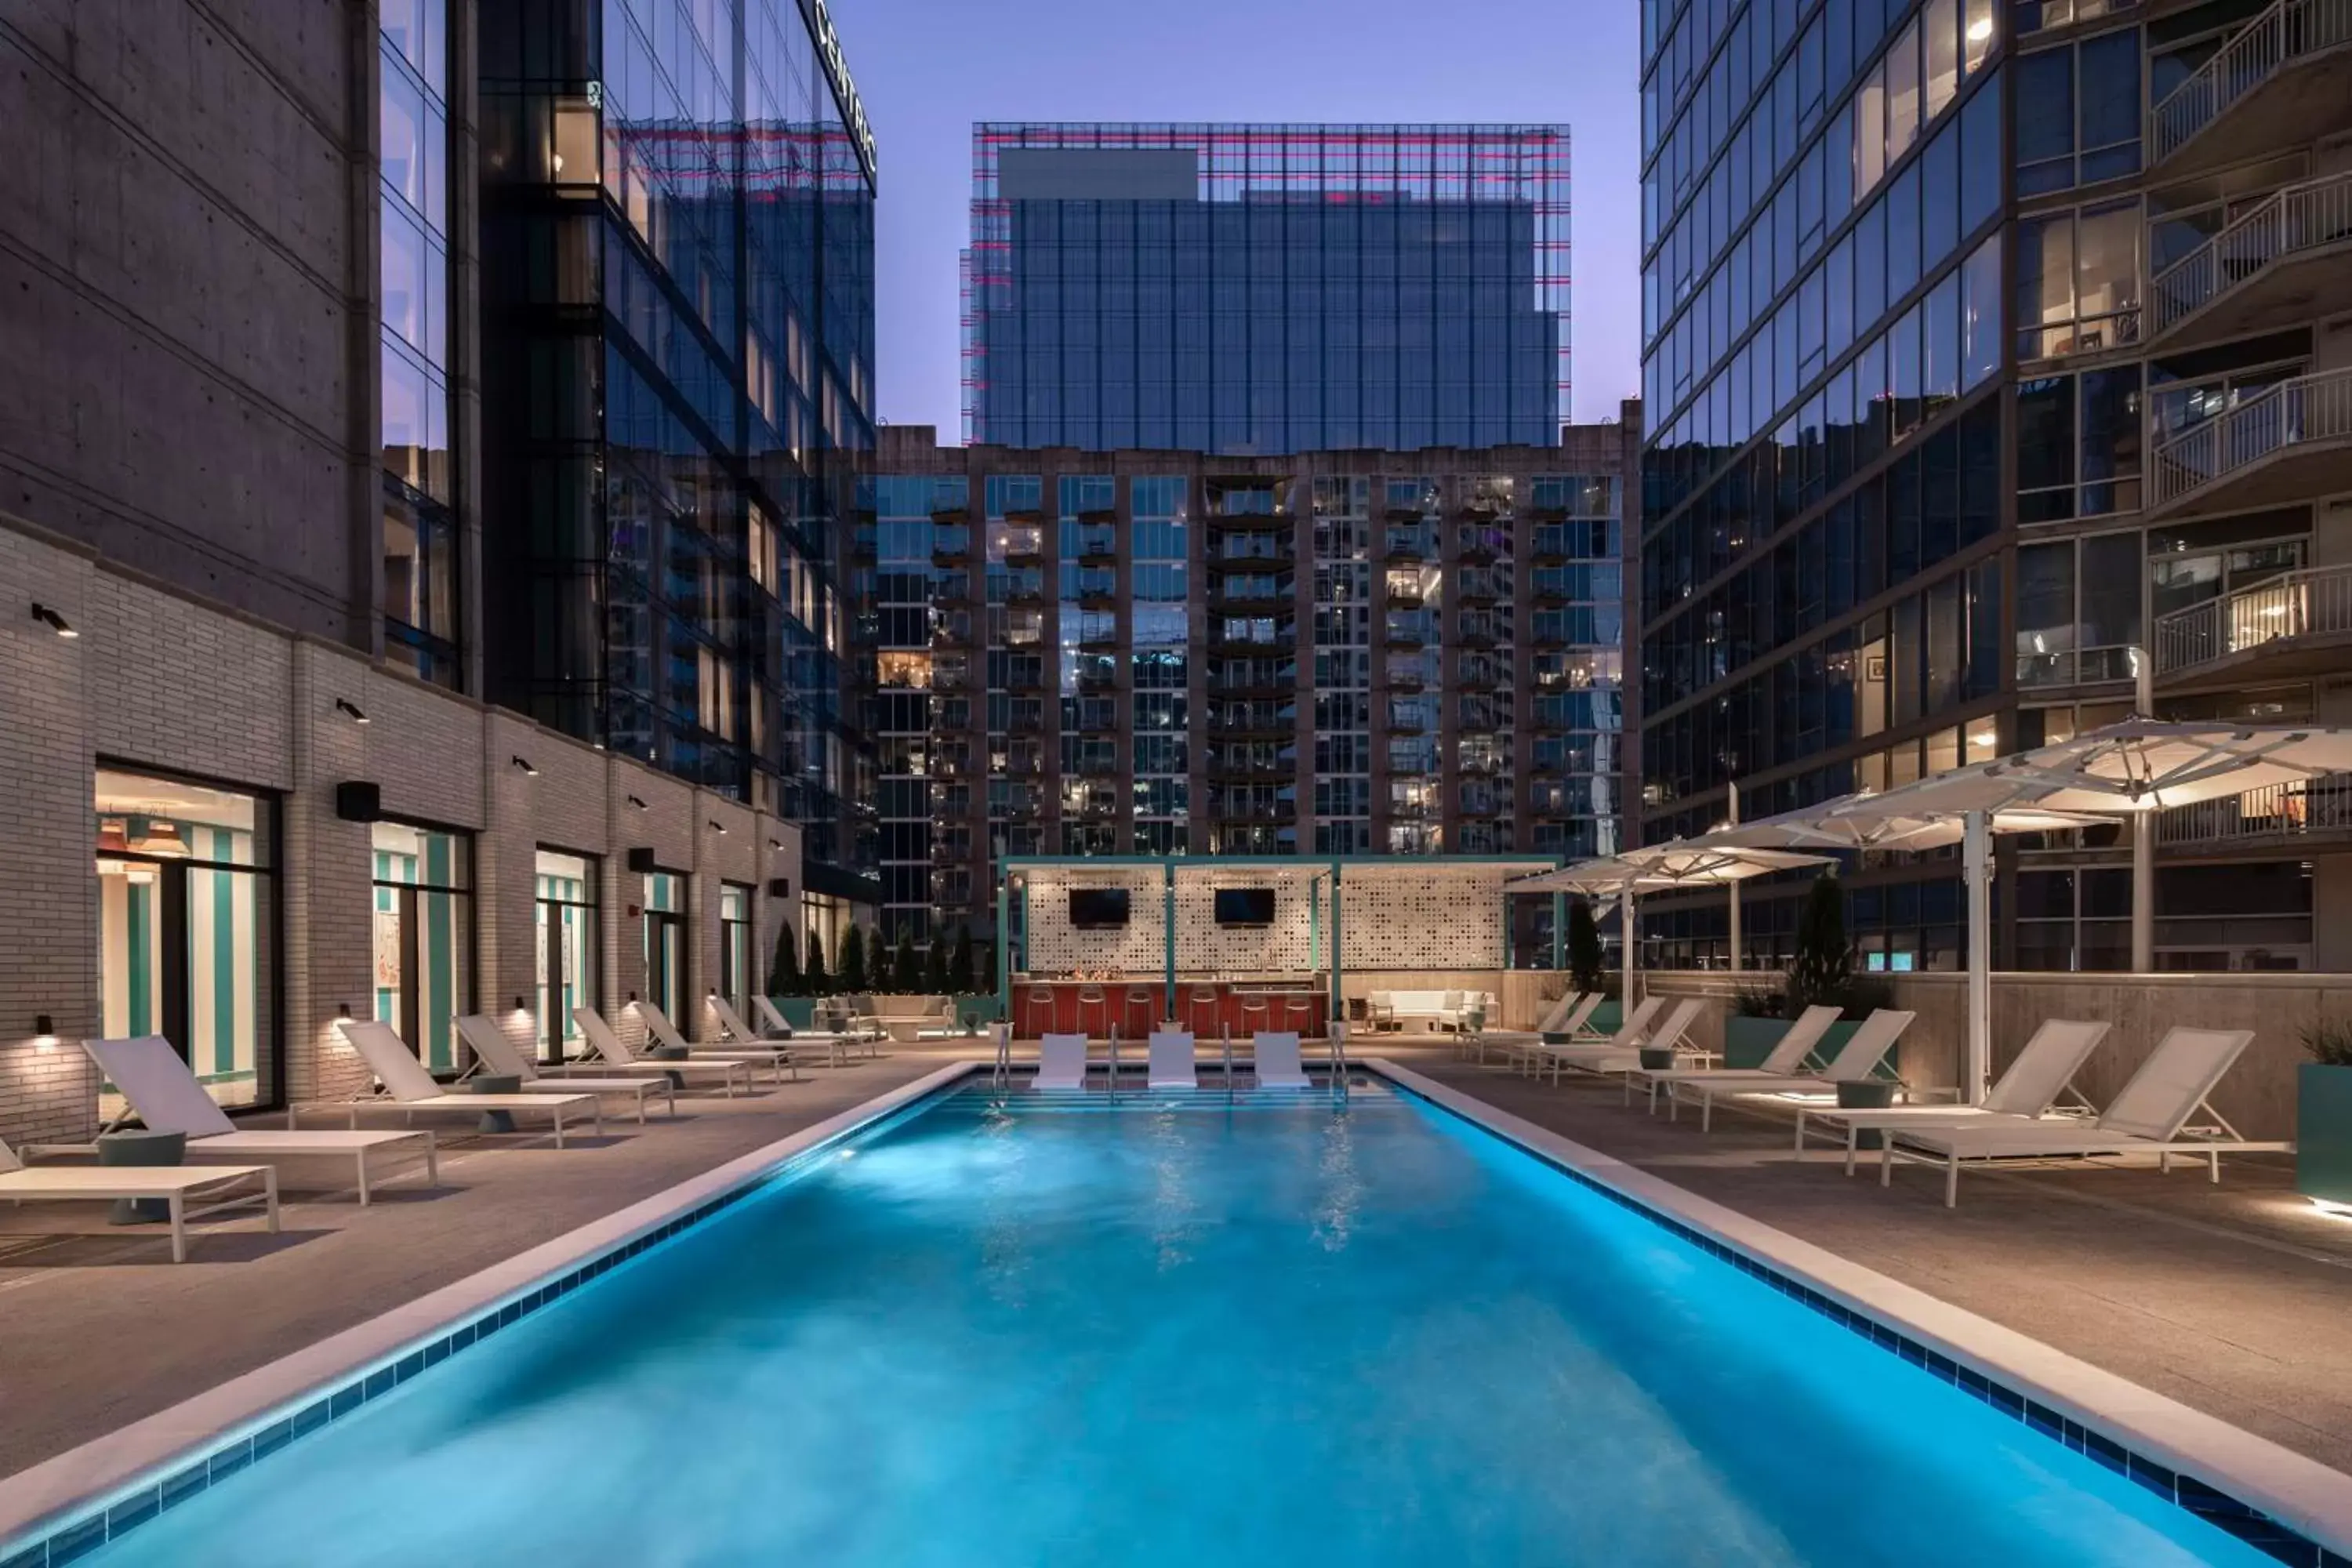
[[1327, 877]]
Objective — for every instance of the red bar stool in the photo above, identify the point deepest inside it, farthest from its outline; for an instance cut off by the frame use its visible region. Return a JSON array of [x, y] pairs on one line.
[[1299, 1013], [1141, 1001], [1041, 1006], [1092, 997], [1258, 1008], [1207, 1009]]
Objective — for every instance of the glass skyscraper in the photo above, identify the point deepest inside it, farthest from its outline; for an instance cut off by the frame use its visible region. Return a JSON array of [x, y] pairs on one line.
[[1267, 288], [678, 303]]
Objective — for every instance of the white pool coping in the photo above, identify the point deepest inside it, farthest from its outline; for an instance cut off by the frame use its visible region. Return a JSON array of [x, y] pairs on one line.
[[2299, 1492], [60, 1488]]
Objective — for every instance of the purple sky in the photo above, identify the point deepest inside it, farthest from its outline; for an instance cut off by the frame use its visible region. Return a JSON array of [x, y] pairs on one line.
[[928, 68]]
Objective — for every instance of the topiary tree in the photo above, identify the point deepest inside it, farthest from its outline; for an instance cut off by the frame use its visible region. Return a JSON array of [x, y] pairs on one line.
[[880, 962], [1823, 970], [1584, 963], [934, 965], [961, 979], [851, 968], [905, 969], [814, 979], [784, 968]]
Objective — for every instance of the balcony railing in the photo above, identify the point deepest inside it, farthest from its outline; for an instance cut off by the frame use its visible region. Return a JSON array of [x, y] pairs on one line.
[[2287, 32], [2316, 600], [2288, 413], [2301, 217], [2290, 810], [2078, 666]]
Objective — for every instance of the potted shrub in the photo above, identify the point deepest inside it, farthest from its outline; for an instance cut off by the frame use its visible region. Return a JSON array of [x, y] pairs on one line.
[[2323, 1113], [786, 986], [1821, 973]]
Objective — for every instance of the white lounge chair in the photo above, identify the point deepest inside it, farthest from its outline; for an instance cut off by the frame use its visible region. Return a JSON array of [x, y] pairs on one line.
[[168, 1099], [1631, 1035], [1273, 1060], [1509, 1041], [617, 1057], [837, 1045], [2033, 1085], [1857, 1060], [1170, 1062], [1785, 1060], [776, 1059], [1572, 1027], [172, 1186], [2148, 1115], [409, 1089], [1061, 1062], [1602, 1057], [496, 1055]]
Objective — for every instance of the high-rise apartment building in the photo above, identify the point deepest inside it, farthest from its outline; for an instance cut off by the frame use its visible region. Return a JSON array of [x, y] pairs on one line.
[[677, 231], [367, 362], [1167, 653], [1995, 353], [1267, 289]]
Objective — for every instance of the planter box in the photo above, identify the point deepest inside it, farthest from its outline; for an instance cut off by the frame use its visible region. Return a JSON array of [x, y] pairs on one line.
[[1748, 1041], [2323, 1133], [800, 1012], [1605, 1018]]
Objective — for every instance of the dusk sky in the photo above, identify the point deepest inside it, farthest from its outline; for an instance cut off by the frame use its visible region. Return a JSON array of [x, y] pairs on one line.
[[928, 68]]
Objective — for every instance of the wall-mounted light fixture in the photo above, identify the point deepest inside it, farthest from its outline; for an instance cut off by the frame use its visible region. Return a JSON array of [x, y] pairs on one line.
[[345, 705], [45, 1025], [526, 767], [342, 1009], [54, 621], [519, 1006], [775, 844], [633, 800], [717, 825]]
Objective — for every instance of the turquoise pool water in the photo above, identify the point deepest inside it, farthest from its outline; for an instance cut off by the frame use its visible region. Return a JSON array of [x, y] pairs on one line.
[[1294, 1335]]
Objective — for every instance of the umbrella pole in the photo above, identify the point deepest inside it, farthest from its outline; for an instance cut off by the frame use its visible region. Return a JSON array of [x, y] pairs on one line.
[[2143, 836], [1625, 918], [1976, 862]]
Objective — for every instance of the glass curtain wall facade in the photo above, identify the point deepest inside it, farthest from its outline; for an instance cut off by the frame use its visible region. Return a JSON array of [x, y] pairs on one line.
[[420, 549], [1179, 654], [1267, 289], [678, 238], [1821, 560]]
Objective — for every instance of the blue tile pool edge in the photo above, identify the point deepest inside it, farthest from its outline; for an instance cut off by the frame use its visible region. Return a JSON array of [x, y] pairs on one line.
[[2110, 1444], [72, 1531]]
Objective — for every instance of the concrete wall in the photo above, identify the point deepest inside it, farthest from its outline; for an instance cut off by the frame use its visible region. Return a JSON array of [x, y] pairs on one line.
[[158, 681], [187, 295], [2258, 1097]]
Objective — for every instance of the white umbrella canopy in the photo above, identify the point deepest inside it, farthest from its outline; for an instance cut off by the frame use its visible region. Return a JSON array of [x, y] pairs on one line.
[[2139, 764], [1686, 862], [1879, 822]]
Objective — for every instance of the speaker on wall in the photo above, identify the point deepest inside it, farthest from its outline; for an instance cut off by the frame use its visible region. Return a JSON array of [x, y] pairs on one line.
[[357, 800], [780, 887]]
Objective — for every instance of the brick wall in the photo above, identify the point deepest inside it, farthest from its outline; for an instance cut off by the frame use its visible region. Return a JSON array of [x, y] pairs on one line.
[[161, 680]]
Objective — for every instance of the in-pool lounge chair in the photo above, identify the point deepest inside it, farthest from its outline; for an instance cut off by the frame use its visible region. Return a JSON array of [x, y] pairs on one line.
[[775, 1057], [1273, 1060], [1856, 1061], [1061, 1062], [2149, 1115], [409, 1089], [1631, 1036], [1170, 1061], [1609, 1056], [171, 1186], [616, 1057], [2033, 1084], [150, 1074], [496, 1055]]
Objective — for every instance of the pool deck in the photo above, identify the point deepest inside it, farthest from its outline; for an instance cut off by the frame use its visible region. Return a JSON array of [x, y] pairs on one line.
[[2236, 1301]]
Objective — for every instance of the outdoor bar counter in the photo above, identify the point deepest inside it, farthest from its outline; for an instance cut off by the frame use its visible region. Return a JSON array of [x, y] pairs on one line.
[[1137, 1005]]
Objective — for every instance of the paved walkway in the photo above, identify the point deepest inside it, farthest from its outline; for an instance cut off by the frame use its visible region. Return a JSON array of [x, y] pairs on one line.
[[2235, 1299], [100, 1329]]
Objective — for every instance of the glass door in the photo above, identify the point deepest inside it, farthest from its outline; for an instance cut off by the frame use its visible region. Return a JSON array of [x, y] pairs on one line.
[[187, 921], [424, 937], [736, 966], [665, 941], [567, 949]]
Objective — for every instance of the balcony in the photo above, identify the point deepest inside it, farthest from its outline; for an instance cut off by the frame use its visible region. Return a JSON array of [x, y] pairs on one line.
[[1259, 679], [1234, 641], [1476, 586], [1482, 675], [2294, 627], [1483, 546], [1409, 628], [2279, 266], [1255, 720], [2284, 78], [1099, 678], [1409, 546], [1254, 593], [1409, 673], [1484, 630], [2106, 665], [2285, 443], [2288, 816], [953, 630], [1248, 552], [950, 545]]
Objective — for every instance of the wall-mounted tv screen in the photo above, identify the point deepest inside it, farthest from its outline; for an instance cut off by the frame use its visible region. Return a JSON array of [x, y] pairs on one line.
[[1093, 907], [1244, 906]]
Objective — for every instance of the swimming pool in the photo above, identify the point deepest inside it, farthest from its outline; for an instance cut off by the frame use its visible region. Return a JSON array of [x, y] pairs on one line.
[[1055, 1331]]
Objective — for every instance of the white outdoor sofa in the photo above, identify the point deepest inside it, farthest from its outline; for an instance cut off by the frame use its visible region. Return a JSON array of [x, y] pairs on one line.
[[1437, 1012]]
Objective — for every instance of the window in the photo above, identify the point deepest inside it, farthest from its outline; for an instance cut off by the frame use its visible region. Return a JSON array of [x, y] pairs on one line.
[[568, 947], [2078, 281], [424, 936], [187, 927], [737, 966], [2078, 113]]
